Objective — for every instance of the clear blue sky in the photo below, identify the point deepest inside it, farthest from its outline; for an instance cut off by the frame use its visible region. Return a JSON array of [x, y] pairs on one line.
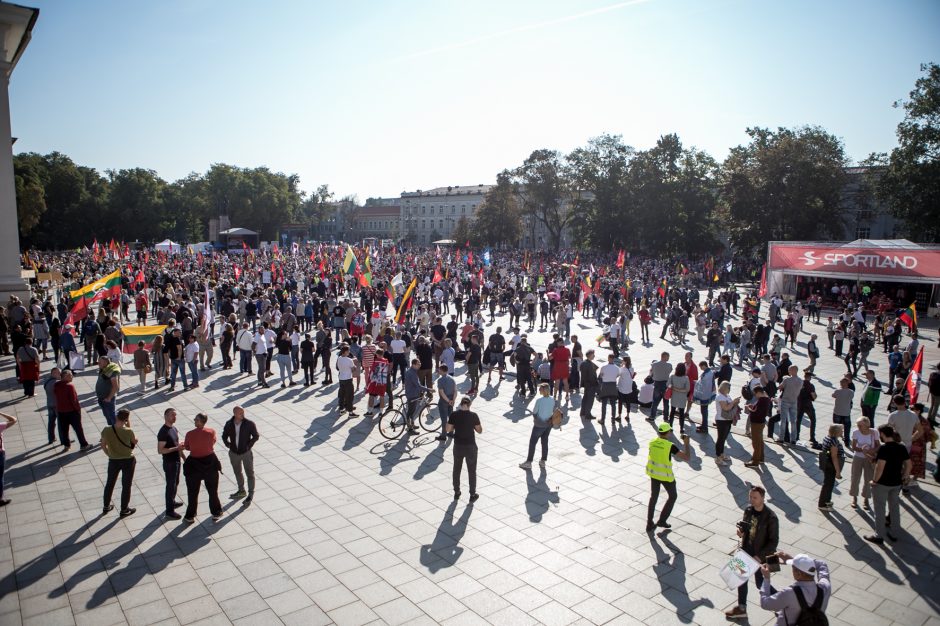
[[375, 97]]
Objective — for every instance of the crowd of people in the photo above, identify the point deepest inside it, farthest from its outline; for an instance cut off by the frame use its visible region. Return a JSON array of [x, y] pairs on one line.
[[389, 325]]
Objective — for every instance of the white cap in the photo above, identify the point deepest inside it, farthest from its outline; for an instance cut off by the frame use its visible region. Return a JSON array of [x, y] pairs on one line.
[[804, 563]]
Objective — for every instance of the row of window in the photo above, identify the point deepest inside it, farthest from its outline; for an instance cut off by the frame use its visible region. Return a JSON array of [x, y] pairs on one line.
[[440, 210]]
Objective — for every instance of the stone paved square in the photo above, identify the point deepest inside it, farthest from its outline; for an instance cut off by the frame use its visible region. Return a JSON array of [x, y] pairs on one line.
[[349, 528]]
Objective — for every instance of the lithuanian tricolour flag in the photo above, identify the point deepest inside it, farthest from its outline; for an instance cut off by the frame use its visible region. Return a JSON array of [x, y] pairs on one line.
[[135, 334], [350, 264], [909, 316], [107, 287]]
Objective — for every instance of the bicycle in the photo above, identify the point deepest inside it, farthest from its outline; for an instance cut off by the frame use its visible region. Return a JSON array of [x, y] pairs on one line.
[[392, 423]]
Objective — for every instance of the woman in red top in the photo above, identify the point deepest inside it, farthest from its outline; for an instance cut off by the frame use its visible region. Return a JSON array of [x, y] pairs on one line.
[[561, 358]]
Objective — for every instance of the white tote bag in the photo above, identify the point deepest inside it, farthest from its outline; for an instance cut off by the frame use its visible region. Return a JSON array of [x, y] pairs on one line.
[[740, 567], [76, 361]]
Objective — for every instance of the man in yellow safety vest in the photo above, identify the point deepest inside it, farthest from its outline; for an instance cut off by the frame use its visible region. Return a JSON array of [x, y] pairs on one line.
[[659, 469]]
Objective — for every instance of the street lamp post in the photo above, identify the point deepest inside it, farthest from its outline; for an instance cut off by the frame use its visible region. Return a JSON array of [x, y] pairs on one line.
[[16, 25]]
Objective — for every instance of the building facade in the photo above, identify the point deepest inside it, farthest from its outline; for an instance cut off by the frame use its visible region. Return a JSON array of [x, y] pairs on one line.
[[427, 216], [864, 216]]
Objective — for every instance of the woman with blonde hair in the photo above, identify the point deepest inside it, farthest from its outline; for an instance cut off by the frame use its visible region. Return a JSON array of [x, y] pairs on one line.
[[865, 443]]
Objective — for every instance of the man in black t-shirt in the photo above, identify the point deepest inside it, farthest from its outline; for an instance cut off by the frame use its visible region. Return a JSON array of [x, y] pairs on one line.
[[497, 346], [168, 446], [464, 424], [892, 469]]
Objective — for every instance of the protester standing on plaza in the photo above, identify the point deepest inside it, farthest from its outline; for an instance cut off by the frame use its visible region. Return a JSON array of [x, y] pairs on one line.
[[142, 364], [831, 458], [660, 372], [865, 444], [465, 425], [201, 466], [48, 386], [588, 371], [176, 353], [170, 450], [107, 386], [659, 469], [892, 470], [239, 435], [118, 442], [446, 399], [759, 532], [758, 412], [27, 363], [810, 589], [541, 426], [9, 420], [344, 368]]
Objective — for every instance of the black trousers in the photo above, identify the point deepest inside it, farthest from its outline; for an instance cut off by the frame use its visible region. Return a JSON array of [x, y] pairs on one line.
[[171, 470], [655, 486], [124, 467], [587, 401], [73, 419], [346, 393], [724, 428], [193, 482], [469, 454]]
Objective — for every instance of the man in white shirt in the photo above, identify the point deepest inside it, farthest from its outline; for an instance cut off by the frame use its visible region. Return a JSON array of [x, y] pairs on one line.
[[190, 354], [614, 337], [244, 341], [344, 367], [270, 338], [260, 345]]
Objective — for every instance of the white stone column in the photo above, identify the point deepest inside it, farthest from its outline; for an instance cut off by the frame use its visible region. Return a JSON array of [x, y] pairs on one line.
[[11, 282]]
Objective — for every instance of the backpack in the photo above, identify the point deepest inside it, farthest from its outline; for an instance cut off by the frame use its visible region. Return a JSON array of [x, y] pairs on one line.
[[810, 615], [747, 393]]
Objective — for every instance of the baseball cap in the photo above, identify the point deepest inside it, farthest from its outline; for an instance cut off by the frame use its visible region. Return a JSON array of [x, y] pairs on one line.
[[804, 563], [665, 428]]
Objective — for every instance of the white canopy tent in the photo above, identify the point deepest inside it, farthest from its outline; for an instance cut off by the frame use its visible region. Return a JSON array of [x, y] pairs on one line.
[[168, 246]]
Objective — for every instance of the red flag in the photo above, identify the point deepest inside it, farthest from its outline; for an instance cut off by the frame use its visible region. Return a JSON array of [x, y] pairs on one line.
[[238, 272], [437, 276], [763, 282], [620, 259], [470, 258], [912, 384]]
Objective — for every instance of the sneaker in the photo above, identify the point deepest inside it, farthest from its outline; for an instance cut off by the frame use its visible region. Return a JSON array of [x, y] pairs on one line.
[[216, 518], [127, 512], [650, 527], [826, 508], [526, 465], [474, 497], [5, 501], [189, 520], [238, 494], [441, 438], [84, 448], [738, 612], [664, 524], [178, 504], [107, 509], [456, 495], [172, 515], [246, 501]]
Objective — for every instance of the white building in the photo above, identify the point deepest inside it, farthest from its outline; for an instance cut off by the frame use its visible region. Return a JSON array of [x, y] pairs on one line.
[[430, 215]]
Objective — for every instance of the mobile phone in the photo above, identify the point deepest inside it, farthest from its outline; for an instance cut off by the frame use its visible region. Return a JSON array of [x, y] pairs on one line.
[[773, 563]]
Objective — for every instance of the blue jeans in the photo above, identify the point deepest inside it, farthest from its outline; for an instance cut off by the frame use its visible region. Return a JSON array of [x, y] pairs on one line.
[[788, 416], [108, 409], [659, 395], [444, 409], [538, 433], [193, 371], [178, 365], [284, 367], [244, 362]]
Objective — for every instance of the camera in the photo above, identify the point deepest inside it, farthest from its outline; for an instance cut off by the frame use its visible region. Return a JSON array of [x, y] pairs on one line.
[[773, 563], [742, 526]]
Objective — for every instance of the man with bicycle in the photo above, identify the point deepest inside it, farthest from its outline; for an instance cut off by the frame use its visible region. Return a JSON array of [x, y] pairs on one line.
[[414, 391]]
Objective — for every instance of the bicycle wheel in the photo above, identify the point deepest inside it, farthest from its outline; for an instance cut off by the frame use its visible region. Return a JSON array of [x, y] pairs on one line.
[[429, 421], [392, 424]]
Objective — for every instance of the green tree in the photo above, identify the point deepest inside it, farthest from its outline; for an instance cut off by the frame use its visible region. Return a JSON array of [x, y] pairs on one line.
[[600, 168], [783, 185], [498, 219], [668, 191], [136, 209], [30, 194], [463, 231], [544, 189], [909, 179]]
